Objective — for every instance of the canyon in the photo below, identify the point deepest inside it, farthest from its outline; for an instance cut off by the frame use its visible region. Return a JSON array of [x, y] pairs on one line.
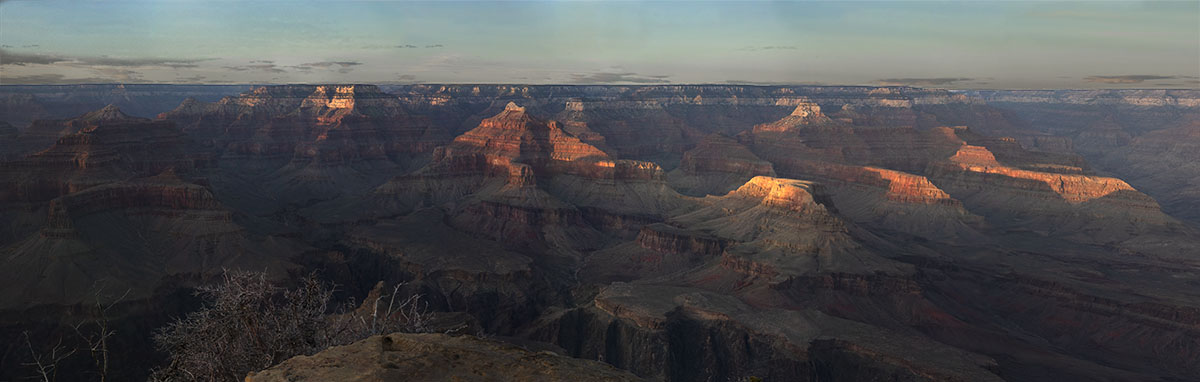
[[652, 232]]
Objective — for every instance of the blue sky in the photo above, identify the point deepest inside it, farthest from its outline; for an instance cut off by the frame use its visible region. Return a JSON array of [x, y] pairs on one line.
[[976, 44]]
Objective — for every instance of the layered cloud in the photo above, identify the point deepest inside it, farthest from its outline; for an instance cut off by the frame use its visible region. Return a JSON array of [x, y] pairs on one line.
[[262, 66], [938, 81], [768, 47], [51, 79], [615, 77], [18, 58], [1129, 78], [341, 66]]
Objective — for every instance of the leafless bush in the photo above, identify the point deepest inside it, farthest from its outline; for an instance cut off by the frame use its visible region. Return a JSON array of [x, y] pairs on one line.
[[249, 324], [96, 333], [94, 336], [46, 363], [381, 313]]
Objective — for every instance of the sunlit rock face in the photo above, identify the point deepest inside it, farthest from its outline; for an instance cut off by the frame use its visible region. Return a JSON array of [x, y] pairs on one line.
[[516, 135], [806, 113], [966, 174]]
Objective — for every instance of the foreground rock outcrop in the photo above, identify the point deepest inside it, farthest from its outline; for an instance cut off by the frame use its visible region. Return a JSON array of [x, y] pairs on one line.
[[437, 357]]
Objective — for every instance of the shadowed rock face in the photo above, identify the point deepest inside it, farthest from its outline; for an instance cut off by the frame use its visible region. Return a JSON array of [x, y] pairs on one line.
[[108, 146], [717, 165], [679, 233], [1146, 137]]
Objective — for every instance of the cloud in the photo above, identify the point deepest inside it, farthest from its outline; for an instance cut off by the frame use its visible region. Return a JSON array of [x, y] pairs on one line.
[[1128, 79], [145, 61], [744, 82], [403, 46], [120, 74], [775, 83], [768, 47], [941, 81], [329, 64], [341, 66], [268, 67], [1073, 14], [193, 78], [50, 79], [608, 77], [22, 59]]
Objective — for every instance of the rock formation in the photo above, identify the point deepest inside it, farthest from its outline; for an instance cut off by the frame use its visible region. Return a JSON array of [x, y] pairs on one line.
[[717, 165], [437, 357]]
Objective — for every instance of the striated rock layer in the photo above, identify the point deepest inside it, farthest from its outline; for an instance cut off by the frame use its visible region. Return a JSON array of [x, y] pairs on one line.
[[717, 165]]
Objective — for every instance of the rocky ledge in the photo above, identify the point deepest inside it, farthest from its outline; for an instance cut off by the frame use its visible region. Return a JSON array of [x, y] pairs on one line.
[[437, 357]]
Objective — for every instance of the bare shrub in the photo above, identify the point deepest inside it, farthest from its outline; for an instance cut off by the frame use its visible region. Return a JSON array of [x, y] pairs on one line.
[[46, 363], [249, 324], [98, 336], [94, 334], [381, 313]]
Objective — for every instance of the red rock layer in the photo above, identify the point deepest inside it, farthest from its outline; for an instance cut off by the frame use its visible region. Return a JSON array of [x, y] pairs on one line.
[[521, 137], [974, 155], [900, 187], [1071, 188]]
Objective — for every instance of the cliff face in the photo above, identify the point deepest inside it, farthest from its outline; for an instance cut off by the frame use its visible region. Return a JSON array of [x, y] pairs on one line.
[[806, 113], [496, 171], [784, 228], [108, 146], [1143, 136], [717, 165], [892, 199], [682, 334], [144, 230], [965, 175], [309, 142], [516, 135]]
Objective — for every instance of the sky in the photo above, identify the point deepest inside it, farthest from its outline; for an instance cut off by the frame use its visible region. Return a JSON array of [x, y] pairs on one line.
[[962, 44]]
